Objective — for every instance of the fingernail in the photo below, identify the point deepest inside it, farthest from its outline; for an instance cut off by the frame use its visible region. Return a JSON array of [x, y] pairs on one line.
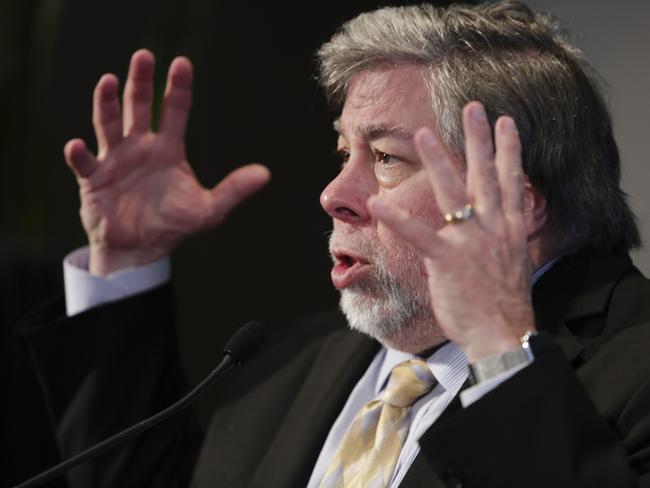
[[478, 113]]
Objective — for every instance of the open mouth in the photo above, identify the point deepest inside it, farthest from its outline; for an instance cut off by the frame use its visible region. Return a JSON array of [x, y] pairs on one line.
[[345, 260], [348, 269]]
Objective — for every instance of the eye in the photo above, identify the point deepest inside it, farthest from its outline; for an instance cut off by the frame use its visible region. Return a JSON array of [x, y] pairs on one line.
[[344, 155], [384, 158]]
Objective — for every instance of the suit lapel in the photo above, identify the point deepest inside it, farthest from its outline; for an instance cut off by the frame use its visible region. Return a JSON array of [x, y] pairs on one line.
[[340, 361]]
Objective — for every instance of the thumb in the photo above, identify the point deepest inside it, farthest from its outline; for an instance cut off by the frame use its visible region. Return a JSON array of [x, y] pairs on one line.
[[236, 187]]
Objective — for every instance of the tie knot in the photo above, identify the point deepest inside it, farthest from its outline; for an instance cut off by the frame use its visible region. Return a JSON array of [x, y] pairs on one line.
[[408, 381]]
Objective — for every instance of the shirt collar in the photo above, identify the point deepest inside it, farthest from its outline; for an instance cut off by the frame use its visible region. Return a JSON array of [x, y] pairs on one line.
[[448, 365], [538, 274]]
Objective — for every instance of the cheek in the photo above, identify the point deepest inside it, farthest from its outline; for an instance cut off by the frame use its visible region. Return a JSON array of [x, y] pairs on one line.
[[404, 263], [416, 197], [401, 257]]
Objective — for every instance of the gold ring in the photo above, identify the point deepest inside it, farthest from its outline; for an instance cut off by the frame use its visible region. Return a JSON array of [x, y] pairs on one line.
[[461, 215]]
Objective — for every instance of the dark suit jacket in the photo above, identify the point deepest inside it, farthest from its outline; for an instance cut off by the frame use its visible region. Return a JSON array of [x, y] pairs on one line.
[[578, 416]]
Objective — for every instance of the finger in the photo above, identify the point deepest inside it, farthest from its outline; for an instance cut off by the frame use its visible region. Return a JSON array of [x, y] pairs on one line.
[[178, 99], [107, 115], [510, 171], [448, 186], [482, 180], [138, 93], [234, 189], [413, 231], [79, 159]]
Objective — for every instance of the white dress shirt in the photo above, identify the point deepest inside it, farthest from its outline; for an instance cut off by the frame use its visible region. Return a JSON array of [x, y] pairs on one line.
[[84, 291]]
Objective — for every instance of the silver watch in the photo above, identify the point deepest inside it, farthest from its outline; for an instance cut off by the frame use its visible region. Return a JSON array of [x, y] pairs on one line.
[[489, 367]]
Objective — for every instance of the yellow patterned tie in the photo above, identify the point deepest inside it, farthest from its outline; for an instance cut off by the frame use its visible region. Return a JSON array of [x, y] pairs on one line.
[[371, 446]]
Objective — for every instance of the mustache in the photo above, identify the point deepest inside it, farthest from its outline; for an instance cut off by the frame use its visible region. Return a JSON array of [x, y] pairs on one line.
[[352, 243]]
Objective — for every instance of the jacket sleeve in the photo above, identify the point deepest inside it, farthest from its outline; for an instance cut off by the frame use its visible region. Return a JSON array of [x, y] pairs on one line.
[[104, 370], [539, 429]]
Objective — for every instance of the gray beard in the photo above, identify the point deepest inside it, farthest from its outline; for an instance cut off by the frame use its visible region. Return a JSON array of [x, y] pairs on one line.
[[381, 307]]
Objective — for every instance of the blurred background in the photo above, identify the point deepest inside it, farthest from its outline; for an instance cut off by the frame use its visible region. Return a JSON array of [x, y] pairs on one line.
[[255, 100]]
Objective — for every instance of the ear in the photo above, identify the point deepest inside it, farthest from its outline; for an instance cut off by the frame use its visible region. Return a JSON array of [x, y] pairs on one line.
[[535, 212]]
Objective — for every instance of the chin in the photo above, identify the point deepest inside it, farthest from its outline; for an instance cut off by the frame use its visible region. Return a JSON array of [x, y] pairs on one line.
[[395, 319]]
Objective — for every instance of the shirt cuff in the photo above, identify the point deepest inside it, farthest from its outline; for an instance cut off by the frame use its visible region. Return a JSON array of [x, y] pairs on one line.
[[476, 392], [84, 291]]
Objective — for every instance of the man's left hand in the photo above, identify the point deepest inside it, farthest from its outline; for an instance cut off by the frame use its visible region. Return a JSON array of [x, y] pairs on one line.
[[479, 271]]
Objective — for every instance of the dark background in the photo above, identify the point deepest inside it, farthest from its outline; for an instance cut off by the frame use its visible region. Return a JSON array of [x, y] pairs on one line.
[[255, 100]]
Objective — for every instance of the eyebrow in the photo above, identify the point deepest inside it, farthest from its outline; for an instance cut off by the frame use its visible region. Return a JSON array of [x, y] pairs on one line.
[[373, 132]]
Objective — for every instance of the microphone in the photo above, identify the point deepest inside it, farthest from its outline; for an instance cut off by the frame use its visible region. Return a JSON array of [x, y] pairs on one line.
[[243, 345]]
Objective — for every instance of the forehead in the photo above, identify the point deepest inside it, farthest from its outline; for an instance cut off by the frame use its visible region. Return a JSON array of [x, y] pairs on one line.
[[397, 97]]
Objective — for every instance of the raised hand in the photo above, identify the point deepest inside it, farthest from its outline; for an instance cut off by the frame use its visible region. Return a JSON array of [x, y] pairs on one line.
[[139, 195], [478, 265]]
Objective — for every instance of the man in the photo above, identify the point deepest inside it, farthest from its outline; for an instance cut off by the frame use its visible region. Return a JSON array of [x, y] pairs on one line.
[[478, 158]]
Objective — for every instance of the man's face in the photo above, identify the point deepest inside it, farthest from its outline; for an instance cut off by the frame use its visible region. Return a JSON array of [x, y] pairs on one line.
[[381, 278]]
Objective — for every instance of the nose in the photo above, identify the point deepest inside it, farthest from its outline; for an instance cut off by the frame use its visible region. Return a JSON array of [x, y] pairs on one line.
[[346, 195]]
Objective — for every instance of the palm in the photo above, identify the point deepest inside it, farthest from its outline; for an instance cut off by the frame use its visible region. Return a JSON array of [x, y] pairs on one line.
[[139, 196], [144, 192]]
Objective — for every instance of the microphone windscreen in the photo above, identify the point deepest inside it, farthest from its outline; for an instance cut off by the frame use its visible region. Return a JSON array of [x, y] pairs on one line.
[[247, 341]]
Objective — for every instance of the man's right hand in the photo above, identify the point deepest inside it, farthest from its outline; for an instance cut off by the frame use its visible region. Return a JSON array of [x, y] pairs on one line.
[[139, 195]]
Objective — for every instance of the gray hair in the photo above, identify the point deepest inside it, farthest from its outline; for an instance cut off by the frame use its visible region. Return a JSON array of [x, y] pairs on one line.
[[517, 63]]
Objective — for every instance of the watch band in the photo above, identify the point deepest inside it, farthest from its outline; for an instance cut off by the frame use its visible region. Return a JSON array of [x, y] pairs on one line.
[[491, 366]]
